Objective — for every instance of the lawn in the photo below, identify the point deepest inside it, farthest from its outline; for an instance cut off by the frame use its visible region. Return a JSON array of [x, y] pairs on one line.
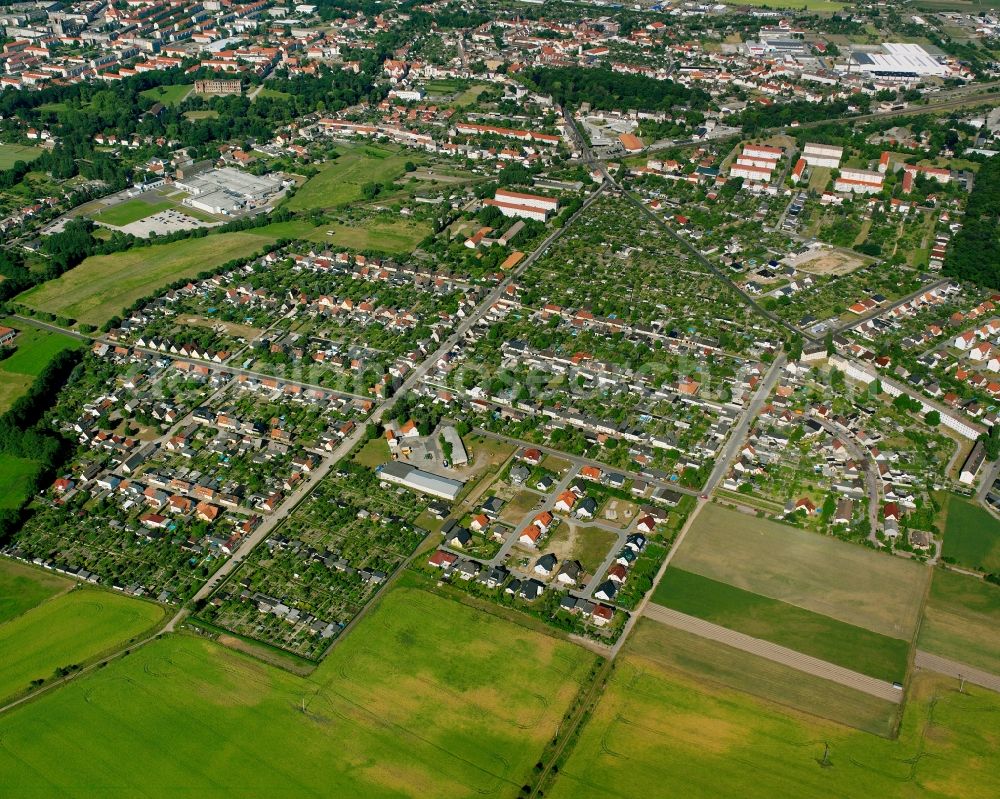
[[373, 453], [703, 659], [12, 386], [657, 727], [819, 573], [103, 285], [18, 479], [339, 182], [972, 536], [804, 631], [392, 712], [22, 588], [69, 629], [35, 348], [168, 95], [10, 154], [961, 620], [131, 211]]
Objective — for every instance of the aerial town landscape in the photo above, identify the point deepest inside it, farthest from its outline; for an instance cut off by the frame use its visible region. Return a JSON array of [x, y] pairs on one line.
[[508, 399]]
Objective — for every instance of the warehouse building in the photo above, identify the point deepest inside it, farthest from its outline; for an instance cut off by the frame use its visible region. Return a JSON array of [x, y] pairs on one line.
[[418, 480]]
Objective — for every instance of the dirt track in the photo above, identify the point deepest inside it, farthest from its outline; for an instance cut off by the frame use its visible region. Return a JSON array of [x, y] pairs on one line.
[[774, 652], [952, 668]]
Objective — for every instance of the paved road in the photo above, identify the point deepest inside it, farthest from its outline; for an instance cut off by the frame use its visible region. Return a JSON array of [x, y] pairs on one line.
[[776, 653], [952, 668]]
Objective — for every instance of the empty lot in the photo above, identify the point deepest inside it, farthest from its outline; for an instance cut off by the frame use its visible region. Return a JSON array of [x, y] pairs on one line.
[[822, 574]]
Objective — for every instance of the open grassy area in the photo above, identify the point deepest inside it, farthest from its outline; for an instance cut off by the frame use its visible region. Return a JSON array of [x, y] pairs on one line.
[[373, 453], [10, 154], [961, 620], [972, 536], [35, 348], [391, 236], [830, 577], [656, 727], [339, 182], [102, 285], [391, 712], [168, 95], [69, 629], [22, 587], [802, 630], [710, 660], [131, 211], [16, 477]]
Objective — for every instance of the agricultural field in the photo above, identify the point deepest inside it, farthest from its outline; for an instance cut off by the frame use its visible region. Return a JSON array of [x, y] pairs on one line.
[[803, 630], [972, 536], [815, 572], [168, 95], [657, 726], [131, 211], [68, 630], [391, 712], [339, 182], [961, 620], [10, 154], [718, 663], [102, 285], [23, 587]]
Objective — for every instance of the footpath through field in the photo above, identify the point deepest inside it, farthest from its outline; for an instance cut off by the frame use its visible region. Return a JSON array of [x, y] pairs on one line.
[[952, 668], [774, 652]]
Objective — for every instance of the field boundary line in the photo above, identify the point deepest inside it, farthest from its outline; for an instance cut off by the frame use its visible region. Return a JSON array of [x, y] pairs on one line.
[[775, 652]]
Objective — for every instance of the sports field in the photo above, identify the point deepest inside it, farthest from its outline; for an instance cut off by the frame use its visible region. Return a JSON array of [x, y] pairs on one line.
[[660, 732], [339, 182], [10, 154], [103, 285], [804, 631], [22, 587], [972, 536], [427, 697], [131, 211], [822, 574], [69, 629], [962, 620]]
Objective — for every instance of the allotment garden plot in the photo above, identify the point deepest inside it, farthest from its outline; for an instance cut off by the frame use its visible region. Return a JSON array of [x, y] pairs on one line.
[[302, 587]]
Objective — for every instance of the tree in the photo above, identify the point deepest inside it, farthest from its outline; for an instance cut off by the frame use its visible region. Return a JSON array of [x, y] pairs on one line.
[[933, 418]]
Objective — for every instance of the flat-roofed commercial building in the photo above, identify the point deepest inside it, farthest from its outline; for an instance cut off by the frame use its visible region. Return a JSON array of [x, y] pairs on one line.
[[418, 480]]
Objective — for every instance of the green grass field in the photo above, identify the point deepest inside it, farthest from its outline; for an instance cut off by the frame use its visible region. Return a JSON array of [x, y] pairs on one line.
[[710, 660], [427, 697], [168, 95], [373, 453], [103, 285], [22, 587], [18, 475], [69, 629], [961, 620], [10, 154], [660, 732], [131, 211], [802, 630], [393, 237], [822, 574], [339, 182], [972, 536], [35, 348], [805, 5]]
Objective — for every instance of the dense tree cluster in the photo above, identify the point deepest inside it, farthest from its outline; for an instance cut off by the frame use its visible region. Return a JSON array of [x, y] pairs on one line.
[[605, 89], [974, 253]]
